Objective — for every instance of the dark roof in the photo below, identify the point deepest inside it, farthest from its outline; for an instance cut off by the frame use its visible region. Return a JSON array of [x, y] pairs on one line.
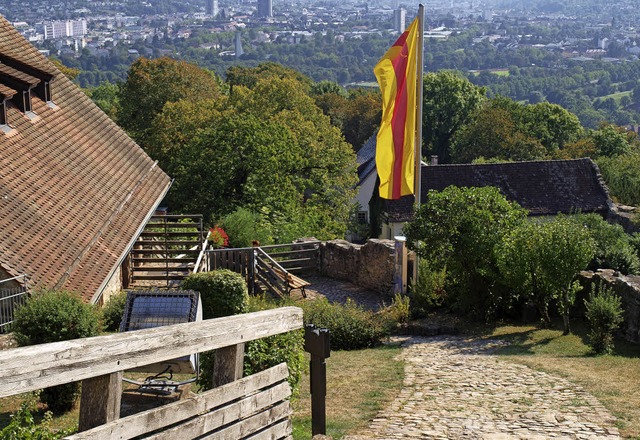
[[74, 188], [541, 187], [366, 158]]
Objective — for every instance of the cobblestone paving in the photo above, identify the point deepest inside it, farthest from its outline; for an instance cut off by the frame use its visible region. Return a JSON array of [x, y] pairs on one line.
[[338, 291], [454, 390]]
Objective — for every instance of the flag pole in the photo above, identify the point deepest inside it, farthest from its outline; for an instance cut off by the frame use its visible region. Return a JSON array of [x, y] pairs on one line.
[[419, 91], [418, 142]]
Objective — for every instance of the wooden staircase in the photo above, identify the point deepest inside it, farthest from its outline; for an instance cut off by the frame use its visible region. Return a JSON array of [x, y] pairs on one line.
[[166, 251]]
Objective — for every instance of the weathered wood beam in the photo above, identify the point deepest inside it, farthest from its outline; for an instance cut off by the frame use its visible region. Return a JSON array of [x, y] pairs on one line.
[[176, 412], [39, 366]]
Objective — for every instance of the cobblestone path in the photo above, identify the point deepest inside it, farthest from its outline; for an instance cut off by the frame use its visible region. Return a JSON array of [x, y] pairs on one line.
[[454, 389]]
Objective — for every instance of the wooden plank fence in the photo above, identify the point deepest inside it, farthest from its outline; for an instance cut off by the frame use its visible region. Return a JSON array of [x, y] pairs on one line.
[[253, 407]]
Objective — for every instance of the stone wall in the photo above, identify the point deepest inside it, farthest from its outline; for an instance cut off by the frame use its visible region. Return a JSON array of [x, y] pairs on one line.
[[628, 288], [370, 265]]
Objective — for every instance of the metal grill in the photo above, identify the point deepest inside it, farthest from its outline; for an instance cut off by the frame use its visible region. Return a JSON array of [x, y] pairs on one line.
[[148, 309], [156, 308], [11, 299]]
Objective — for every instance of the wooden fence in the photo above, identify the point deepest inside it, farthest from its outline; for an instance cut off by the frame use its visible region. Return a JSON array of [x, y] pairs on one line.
[[254, 407], [256, 264]]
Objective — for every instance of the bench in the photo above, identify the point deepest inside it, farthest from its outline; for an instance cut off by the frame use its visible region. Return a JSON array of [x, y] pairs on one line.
[[293, 282]]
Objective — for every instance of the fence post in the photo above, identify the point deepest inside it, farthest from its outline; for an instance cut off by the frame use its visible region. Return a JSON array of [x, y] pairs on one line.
[[228, 364], [317, 343], [100, 400]]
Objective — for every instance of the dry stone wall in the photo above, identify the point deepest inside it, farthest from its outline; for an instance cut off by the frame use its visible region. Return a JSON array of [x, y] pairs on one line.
[[370, 265], [628, 288]]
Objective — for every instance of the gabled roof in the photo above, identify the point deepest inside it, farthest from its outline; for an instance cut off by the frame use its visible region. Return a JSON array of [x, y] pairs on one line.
[[542, 187], [74, 188], [366, 158]]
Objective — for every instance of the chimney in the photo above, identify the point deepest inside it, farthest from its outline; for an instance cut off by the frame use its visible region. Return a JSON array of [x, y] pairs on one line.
[[434, 160]]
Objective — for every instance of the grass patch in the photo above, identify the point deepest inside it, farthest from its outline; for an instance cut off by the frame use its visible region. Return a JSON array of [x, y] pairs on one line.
[[612, 379], [359, 384]]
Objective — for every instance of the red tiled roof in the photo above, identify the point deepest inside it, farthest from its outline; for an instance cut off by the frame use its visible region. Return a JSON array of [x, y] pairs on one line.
[[74, 188], [6, 92]]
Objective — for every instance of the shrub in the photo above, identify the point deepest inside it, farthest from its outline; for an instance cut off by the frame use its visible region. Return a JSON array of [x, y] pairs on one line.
[[428, 291], [50, 316], [244, 226], [614, 248], [112, 312], [604, 313], [351, 326], [222, 292], [457, 229], [266, 352], [24, 427]]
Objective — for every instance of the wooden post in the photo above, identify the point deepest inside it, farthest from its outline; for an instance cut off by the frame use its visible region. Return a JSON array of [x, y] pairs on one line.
[[317, 343], [100, 400], [228, 364]]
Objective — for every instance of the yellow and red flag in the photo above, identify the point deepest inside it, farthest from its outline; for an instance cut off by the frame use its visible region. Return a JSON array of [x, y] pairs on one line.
[[396, 73]]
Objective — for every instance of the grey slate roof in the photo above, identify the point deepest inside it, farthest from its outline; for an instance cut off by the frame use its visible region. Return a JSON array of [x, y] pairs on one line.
[[366, 158], [541, 187]]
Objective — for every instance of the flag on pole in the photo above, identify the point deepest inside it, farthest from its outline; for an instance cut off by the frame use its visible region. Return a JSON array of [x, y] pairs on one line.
[[396, 74]]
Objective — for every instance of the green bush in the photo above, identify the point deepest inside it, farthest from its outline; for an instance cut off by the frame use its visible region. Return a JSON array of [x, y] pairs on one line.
[[604, 313], [50, 316], [428, 291], [113, 310], [458, 229], [351, 326], [244, 226], [24, 427], [614, 248], [266, 352], [222, 292]]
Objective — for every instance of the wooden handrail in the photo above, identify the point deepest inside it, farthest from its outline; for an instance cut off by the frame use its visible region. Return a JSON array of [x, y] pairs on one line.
[[39, 366]]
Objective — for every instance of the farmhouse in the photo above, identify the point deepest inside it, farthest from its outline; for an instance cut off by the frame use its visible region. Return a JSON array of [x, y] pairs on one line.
[[542, 187], [75, 190]]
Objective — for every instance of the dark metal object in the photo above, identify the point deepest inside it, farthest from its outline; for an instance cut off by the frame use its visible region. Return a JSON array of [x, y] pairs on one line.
[[317, 343]]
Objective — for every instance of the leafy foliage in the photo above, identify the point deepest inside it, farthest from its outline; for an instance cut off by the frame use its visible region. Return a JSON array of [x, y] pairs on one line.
[[24, 427], [351, 326], [614, 249], [113, 311], [429, 291], [604, 313], [541, 259], [622, 174], [245, 227], [222, 292], [52, 316], [449, 102], [458, 229]]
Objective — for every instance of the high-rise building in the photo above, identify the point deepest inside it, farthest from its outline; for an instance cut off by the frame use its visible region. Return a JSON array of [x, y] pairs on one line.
[[211, 8], [68, 28], [265, 8], [399, 19]]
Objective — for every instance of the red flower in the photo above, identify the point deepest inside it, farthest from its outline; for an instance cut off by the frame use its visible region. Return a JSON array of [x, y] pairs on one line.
[[218, 238]]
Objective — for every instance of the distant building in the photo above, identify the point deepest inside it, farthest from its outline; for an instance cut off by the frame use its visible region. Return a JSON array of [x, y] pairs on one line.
[[238, 44], [62, 29], [211, 8], [400, 19], [265, 8]]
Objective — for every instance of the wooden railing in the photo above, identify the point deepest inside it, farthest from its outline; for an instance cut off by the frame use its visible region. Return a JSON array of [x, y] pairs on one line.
[[238, 408]]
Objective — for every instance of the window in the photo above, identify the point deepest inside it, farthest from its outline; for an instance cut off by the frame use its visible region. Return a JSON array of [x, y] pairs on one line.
[[362, 217]]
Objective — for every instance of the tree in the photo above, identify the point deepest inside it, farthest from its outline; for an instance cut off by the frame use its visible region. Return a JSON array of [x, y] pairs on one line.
[[611, 140], [268, 149], [151, 84], [458, 229], [541, 259], [449, 103], [106, 97], [493, 134]]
